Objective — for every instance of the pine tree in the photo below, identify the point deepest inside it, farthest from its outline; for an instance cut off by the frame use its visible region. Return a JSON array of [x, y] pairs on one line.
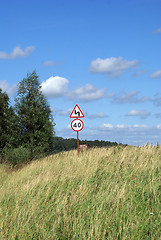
[[35, 119]]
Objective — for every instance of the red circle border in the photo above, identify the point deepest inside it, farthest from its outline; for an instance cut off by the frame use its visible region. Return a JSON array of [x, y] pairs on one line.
[[81, 122]]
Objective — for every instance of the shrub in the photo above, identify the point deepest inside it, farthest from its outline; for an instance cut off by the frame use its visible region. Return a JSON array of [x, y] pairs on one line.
[[17, 155]]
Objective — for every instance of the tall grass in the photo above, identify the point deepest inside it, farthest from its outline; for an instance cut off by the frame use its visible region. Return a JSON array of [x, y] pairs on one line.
[[107, 193]]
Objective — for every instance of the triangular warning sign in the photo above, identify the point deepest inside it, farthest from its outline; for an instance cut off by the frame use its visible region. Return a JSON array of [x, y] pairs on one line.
[[77, 112]]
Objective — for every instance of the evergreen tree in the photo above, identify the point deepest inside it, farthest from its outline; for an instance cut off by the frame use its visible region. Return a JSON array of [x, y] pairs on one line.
[[4, 101], [35, 119], [9, 132]]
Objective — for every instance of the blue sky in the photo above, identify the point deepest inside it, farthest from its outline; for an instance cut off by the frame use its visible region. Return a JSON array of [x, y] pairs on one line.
[[102, 55]]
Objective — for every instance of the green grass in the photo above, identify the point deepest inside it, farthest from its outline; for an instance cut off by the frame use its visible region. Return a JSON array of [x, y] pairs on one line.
[[107, 193]]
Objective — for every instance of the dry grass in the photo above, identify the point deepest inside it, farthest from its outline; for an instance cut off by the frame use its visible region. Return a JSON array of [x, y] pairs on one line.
[[107, 193]]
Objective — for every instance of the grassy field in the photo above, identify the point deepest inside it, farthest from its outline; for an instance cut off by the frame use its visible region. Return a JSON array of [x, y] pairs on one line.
[[107, 193]]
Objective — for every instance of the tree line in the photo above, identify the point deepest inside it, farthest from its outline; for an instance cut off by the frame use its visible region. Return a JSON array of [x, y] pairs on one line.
[[62, 144]]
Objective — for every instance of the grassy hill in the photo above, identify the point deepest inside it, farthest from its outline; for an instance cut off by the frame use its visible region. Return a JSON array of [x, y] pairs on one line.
[[107, 193]]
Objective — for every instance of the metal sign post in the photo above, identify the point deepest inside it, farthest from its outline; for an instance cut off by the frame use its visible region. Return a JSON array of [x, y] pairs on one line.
[[78, 144], [77, 124]]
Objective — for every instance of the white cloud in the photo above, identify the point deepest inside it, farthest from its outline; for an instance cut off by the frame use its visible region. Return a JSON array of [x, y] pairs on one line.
[[110, 126], [17, 52], [131, 134], [129, 97], [140, 113], [140, 126], [107, 126], [55, 87], [112, 66], [156, 74], [87, 93], [6, 87], [122, 127]]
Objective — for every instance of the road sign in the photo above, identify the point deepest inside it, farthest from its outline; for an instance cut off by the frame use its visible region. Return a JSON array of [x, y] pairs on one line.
[[77, 112], [77, 125]]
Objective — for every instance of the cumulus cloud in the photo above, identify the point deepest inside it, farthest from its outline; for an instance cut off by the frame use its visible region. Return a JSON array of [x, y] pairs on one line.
[[87, 93], [130, 97], [112, 66], [156, 74], [55, 87], [6, 87], [17, 52], [138, 113]]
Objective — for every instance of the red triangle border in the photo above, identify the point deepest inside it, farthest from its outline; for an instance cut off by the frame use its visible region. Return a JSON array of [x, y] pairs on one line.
[[79, 110]]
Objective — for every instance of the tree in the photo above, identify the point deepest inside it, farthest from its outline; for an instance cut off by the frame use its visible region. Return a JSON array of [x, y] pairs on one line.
[[4, 102], [8, 125], [35, 119]]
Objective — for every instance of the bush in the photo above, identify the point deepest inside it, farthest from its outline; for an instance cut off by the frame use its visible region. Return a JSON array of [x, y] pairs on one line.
[[17, 155]]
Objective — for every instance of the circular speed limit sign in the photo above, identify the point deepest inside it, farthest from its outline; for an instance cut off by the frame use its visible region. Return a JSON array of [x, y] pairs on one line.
[[77, 125]]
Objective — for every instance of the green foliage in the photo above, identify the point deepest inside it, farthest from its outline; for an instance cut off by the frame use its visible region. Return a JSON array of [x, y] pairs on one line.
[[9, 129], [4, 120], [34, 115], [17, 155]]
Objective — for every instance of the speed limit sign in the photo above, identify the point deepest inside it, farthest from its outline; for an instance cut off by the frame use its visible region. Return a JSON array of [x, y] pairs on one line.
[[77, 125]]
